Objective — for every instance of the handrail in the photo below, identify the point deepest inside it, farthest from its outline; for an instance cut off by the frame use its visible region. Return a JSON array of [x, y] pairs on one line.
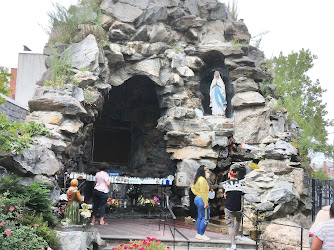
[[174, 218], [257, 222], [168, 206]]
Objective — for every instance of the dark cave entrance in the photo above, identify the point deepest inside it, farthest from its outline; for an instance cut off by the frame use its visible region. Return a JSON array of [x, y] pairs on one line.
[[214, 61], [125, 134]]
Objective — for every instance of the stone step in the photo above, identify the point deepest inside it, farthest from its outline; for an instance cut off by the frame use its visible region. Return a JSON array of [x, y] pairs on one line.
[[182, 244]]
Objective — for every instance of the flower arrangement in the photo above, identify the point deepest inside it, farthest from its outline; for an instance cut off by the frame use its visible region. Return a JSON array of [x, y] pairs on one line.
[[85, 212], [148, 202], [146, 244], [112, 202]]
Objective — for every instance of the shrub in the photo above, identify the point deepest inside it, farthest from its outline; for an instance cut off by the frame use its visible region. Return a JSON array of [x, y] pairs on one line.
[[15, 136], [265, 88], [64, 24], [42, 229], [233, 8], [61, 70], [34, 197], [238, 44], [13, 233], [23, 237]]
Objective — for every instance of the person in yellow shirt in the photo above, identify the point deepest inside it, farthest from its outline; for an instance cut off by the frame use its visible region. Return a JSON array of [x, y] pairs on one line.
[[201, 192]]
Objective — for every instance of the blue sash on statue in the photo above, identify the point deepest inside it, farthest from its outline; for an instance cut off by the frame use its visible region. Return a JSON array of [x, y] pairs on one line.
[[218, 96]]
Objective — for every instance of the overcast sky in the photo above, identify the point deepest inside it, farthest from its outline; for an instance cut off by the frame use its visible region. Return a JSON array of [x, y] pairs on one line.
[[292, 25]]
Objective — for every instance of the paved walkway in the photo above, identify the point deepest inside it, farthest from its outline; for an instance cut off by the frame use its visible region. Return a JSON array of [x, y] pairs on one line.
[[150, 228], [121, 230]]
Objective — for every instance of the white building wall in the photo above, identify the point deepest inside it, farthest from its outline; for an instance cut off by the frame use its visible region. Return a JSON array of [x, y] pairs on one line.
[[30, 69]]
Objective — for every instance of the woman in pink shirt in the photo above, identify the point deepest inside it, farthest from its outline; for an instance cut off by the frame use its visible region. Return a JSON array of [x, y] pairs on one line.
[[101, 191]]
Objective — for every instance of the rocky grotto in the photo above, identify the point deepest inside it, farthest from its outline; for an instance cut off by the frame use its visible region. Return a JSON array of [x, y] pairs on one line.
[[140, 102]]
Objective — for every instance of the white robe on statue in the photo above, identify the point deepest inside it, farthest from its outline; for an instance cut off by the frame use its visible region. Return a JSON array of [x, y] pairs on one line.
[[217, 95]]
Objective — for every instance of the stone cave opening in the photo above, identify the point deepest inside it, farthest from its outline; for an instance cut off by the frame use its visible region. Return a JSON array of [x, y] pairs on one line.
[[125, 134], [214, 61]]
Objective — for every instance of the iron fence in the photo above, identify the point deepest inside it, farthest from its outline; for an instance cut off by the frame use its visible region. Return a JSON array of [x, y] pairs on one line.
[[322, 194]]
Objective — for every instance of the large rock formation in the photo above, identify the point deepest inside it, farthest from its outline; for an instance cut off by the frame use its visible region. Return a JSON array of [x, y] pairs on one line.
[[175, 45]]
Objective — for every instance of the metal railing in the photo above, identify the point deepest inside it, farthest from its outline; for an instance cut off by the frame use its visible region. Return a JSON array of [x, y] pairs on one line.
[[322, 194], [164, 217], [256, 223]]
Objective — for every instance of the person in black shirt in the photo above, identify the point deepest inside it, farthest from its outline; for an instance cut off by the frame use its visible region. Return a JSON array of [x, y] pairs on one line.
[[232, 193]]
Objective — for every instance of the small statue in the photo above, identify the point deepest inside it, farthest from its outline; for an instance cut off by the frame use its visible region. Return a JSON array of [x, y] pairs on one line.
[[217, 95], [74, 198]]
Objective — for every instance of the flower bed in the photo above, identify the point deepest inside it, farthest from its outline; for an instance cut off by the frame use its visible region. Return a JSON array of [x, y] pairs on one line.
[[146, 244], [22, 226]]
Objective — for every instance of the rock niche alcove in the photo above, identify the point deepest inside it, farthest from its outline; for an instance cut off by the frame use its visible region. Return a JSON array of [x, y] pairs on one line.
[[215, 61], [125, 134]]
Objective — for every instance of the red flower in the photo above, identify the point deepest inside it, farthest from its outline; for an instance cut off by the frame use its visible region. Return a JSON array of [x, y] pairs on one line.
[[8, 233], [2, 223], [36, 225], [11, 208]]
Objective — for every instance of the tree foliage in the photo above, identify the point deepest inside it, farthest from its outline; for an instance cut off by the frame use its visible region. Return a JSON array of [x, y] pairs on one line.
[[303, 100], [320, 174], [4, 83]]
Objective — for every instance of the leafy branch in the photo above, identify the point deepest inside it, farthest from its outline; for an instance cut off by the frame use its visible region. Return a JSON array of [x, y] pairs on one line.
[[15, 136]]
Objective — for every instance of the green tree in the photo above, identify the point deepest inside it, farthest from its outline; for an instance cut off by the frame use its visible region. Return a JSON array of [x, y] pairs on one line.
[[320, 174], [4, 83], [303, 100]]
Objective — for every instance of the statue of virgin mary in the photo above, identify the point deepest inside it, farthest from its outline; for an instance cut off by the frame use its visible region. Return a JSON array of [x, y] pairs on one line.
[[217, 95]]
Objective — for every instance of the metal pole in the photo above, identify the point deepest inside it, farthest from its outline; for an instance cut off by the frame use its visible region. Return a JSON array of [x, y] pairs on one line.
[[242, 218], [320, 194], [256, 231], [174, 233], [301, 239], [313, 199]]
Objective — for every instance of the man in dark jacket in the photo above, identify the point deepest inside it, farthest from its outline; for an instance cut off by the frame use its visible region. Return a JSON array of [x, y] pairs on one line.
[[232, 193]]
